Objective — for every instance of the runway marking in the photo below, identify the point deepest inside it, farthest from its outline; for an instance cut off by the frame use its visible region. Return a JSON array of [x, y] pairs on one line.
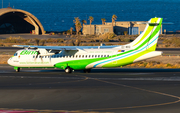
[[82, 77], [143, 106], [77, 80]]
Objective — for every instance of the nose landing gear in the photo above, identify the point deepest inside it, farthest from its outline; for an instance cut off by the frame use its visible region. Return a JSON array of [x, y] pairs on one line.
[[68, 70], [17, 69]]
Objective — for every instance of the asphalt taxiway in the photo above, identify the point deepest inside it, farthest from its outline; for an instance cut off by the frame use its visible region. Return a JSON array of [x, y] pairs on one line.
[[116, 90]]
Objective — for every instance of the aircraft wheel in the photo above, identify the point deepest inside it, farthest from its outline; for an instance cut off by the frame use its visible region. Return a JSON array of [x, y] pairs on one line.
[[87, 70], [18, 70], [68, 70]]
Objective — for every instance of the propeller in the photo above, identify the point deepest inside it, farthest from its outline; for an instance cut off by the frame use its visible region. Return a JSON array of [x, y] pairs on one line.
[[38, 53]]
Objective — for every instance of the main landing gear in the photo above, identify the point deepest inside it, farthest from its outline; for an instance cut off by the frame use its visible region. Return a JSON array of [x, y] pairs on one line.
[[87, 70], [69, 70]]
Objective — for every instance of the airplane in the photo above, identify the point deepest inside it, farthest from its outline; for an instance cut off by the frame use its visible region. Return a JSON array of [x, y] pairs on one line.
[[70, 58]]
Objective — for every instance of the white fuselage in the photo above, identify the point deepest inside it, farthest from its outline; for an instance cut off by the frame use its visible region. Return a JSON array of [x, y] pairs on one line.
[[33, 60]]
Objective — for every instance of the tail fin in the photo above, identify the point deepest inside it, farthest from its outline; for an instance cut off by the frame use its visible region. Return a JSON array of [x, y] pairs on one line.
[[148, 39]]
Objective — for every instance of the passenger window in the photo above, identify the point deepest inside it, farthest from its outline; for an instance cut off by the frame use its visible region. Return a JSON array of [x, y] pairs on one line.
[[104, 55], [95, 56], [33, 56], [79, 56], [98, 55], [101, 55], [76, 56], [86, 56], [89, 56], [107, 55], [42, 56], [82, 56], [92, 56]]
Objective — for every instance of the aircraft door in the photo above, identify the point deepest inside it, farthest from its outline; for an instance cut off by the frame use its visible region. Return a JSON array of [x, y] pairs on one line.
[[16, 57], [45, 59], [114, 58]]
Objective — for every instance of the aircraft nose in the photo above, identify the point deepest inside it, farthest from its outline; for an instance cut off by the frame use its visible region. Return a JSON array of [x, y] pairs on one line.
[[9, 61]]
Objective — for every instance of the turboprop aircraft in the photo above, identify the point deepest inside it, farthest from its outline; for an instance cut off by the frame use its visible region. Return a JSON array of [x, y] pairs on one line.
[[85, 58]]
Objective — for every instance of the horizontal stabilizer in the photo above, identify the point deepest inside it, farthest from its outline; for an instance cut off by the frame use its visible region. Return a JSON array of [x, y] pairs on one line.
[[164, 23]]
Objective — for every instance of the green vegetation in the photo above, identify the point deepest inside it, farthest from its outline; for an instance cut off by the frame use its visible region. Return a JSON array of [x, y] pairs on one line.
[[84, 22], [14, 40], [90, 21], [103, 21], [109, 38], [77, 25], [71, 30], [152, 64], [68, 32], [172, 42], [114, 18]]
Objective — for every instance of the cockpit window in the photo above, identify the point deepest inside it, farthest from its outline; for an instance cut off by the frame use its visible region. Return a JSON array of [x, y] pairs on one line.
[[15, 54]]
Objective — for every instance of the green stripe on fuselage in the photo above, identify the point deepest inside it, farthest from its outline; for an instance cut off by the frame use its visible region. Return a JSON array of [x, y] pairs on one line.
[[127, 60], [82, 63]]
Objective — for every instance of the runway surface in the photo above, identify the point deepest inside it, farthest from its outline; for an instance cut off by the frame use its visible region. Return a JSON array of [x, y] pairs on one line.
[[114, 90]]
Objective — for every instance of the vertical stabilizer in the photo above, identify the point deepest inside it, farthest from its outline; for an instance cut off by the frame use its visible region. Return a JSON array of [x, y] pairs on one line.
[[148, 39]]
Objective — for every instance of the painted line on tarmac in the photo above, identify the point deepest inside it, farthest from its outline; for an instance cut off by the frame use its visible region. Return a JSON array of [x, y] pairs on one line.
[[79, 78], [142, 106], [3, 110], [30, 77]]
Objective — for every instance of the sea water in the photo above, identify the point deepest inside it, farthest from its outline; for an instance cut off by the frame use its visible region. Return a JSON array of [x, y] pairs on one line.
[[58, 15]]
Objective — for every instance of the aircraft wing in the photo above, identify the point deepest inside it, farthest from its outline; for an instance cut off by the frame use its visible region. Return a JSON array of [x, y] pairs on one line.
[[50, 50], [60, 48]]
